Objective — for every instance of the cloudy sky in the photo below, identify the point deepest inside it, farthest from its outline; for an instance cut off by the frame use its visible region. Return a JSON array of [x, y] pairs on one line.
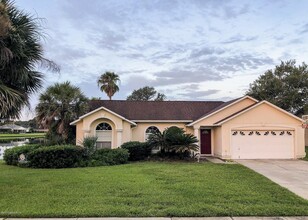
[[189, 50]]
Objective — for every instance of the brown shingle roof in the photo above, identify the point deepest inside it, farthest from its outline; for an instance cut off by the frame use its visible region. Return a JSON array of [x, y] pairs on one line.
[[157, 110]]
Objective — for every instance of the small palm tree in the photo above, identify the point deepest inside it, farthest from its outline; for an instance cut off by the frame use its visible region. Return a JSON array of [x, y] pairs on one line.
[[173, 139], [108, 83]]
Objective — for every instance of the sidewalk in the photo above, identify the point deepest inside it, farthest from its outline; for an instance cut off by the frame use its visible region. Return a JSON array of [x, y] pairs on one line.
[[171, 218]]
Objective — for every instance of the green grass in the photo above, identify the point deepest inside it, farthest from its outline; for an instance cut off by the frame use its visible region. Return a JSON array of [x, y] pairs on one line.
[[306, 158], [24, 135], [144, 189]]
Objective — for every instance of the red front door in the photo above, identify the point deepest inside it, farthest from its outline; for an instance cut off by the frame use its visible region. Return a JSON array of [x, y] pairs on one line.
[[205, 140]]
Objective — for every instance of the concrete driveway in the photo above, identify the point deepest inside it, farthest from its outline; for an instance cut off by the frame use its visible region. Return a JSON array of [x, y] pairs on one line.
[[291, 174]]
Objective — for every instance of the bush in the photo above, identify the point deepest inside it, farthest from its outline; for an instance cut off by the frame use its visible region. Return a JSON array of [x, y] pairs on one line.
[[137, 150], [62, 156], [174, 142], [89, 144], [105, 157], [11, 156]]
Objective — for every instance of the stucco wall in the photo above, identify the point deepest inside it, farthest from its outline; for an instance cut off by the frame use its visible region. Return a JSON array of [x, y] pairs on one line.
[[120, 128], [122, 131], [217, 132], [138, 132], [264, 117], [79, 133], [225, 113], [306, 136]]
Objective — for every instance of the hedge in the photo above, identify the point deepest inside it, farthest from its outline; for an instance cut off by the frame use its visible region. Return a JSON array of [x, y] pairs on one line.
[[137, 150], [103, 157], [62, 156], [11, 156]]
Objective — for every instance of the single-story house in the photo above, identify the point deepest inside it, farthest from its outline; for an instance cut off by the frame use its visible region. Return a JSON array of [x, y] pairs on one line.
[[243, 128], [13, 128]]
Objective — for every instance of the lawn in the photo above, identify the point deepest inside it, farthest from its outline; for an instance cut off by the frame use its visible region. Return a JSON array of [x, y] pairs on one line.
[[144, 189], [24, 135]]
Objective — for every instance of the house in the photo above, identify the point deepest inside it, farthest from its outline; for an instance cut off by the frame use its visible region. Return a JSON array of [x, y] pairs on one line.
[[243, 128], [12, 128]]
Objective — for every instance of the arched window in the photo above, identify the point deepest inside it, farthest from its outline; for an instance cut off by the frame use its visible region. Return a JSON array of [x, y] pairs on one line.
[[150, 130], [103, 127], [104, 135]]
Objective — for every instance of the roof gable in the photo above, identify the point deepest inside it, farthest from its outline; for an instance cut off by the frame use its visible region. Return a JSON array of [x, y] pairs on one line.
[[243, 111], [98, 109], [221, 108]]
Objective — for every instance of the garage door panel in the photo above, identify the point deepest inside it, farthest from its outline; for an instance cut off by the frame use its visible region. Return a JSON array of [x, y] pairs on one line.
[[256, 144]]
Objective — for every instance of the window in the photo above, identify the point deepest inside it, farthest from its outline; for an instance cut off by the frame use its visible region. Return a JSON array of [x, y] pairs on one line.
[[104, 135], [150, 130], [103, 127]]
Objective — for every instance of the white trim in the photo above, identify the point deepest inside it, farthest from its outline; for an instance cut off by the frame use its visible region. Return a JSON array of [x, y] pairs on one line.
[[162, 121], [254, 106], [98, 109], [219, 110]]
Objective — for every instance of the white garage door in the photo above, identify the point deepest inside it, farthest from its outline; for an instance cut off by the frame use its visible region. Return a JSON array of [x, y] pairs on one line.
[[255, 144]]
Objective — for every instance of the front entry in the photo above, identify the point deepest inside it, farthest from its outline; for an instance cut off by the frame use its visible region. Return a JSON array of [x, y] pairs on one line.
[[206, 147]]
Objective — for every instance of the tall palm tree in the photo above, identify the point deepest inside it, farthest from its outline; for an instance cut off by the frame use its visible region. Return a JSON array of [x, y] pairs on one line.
[[21, 54], [108, 83], [59, 105]]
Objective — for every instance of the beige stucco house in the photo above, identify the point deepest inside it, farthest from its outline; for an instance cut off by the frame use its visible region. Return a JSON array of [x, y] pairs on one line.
[[243, 128]]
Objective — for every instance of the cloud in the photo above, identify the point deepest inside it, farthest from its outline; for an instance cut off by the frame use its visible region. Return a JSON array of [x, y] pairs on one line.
[[239, 38], [234, 12], [195, 94], [108, 39], [304, 29], [179, 76], [206, 51]]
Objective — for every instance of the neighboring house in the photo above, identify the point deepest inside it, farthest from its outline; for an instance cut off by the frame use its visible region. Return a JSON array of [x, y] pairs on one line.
[[243, 128], [12, 128]]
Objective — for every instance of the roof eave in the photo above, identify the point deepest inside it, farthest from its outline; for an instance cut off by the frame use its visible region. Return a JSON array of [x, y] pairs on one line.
[[98, 109]]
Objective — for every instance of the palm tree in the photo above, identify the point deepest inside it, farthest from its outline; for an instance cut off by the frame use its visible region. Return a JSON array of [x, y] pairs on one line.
[[173, 139], [59, 105], [108, 83], [20, 54]]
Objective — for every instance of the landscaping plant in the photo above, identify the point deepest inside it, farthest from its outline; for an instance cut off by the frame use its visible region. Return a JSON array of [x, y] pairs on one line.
[[173, 142], [89, 144], [137, 150]]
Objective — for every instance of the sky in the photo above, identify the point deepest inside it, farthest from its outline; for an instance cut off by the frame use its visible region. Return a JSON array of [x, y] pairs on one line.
[[186, 49]]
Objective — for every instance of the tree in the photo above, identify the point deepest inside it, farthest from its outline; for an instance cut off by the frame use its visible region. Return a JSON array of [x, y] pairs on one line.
[[32, 123], [21, 54], [108, 83], [59, 105], [146, 94], [286, 86]]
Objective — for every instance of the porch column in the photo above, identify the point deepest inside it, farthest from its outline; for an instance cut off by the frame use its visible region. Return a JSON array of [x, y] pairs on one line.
[[197, 134], [119, 137]]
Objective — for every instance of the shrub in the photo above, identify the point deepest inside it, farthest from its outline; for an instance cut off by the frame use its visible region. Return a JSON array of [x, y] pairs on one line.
[[137, 150], [89, 144], [105, 157], [11, 156], [62, 156], [174, 142]]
